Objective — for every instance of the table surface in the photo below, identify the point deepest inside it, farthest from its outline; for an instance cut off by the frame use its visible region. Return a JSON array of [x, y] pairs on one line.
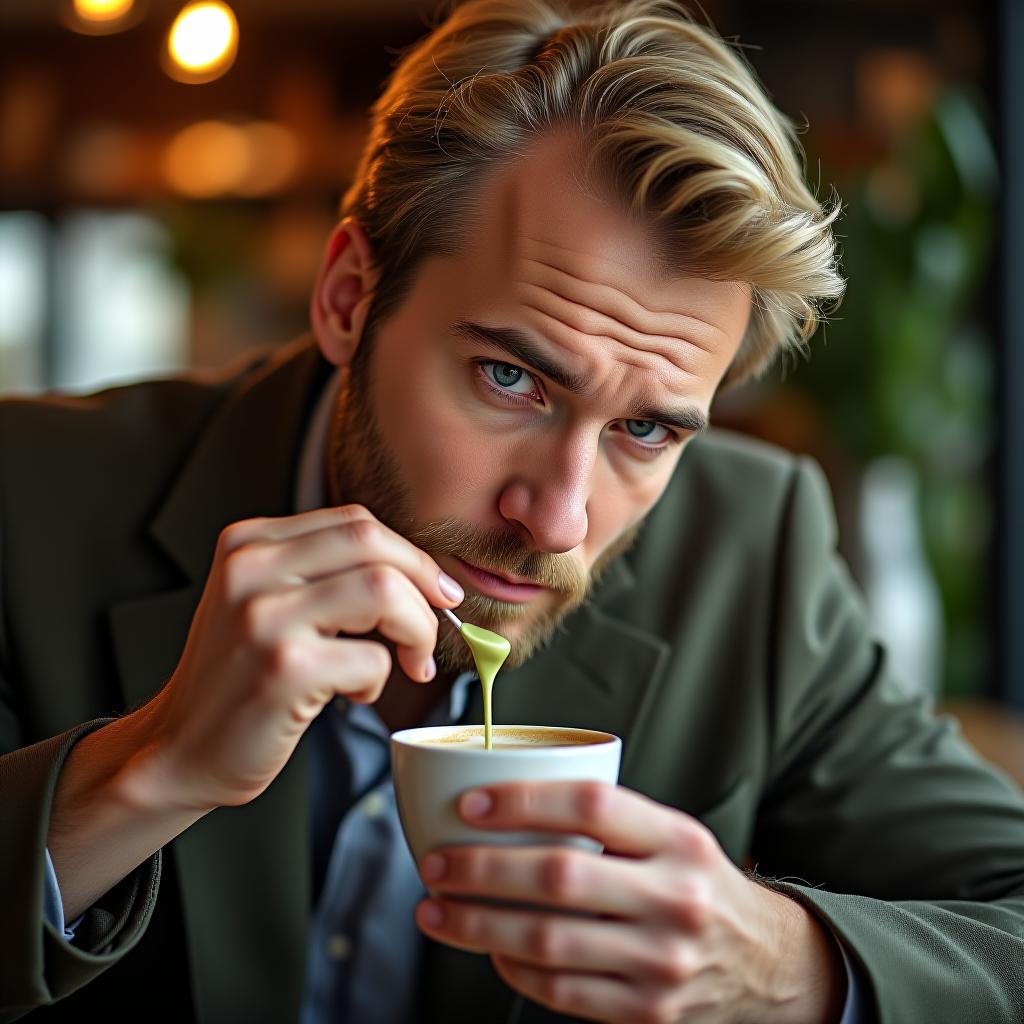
[[995, 731]]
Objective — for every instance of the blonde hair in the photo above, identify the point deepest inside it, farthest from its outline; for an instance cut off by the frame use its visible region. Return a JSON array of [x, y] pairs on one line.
[[669, 115]]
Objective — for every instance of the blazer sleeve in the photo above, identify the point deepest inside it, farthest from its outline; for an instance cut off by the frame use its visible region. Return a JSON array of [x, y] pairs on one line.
[[884, 821], [37, 964]]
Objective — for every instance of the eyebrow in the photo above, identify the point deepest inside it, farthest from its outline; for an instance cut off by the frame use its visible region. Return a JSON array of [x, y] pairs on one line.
[[524, 350]]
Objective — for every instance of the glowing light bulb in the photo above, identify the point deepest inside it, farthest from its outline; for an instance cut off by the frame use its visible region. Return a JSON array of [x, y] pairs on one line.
[[98, 17], [202, 42], [102, 10]]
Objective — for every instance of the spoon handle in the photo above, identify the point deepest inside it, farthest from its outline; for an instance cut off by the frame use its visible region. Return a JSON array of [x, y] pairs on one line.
[[455, 622]]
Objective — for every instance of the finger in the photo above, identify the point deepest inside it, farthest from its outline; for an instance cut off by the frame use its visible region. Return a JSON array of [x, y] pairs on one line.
[[558, 942], [377, 597], [354, 669], [287, 553], [587, 996], [544, 875], [280, 528], [624, 821], [325, 552]]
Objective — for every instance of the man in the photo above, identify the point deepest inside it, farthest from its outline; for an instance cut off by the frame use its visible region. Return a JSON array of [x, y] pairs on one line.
[[568, 231]]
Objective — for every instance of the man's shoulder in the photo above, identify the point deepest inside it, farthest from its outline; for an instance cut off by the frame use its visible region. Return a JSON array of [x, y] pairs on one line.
[[725, 471], [122, 413], [137, 424], [113, 454], [726, 505], [737, 458]]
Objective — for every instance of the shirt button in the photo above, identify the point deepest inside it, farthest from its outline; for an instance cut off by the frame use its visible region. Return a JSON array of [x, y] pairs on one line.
[[373, 805], [338, 947]]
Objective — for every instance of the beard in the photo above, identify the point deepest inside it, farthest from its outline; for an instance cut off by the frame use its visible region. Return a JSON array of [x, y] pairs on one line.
[[363, 470]]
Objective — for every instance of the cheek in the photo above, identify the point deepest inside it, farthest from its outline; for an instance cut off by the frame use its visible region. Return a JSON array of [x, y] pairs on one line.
[[616, 505], [447, 465], [610, 512]]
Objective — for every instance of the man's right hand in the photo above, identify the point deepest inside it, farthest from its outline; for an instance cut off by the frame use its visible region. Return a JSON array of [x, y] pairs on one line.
[[264, 655]]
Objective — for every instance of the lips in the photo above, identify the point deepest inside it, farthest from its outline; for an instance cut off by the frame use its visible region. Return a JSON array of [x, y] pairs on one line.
[[501, 587]]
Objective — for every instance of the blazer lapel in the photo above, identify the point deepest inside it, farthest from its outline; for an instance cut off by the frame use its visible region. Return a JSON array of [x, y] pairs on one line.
[[244, 871]]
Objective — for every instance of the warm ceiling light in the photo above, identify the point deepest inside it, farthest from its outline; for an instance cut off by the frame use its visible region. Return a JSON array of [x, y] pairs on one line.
[[202, 42], [102, 10], [99, 17]]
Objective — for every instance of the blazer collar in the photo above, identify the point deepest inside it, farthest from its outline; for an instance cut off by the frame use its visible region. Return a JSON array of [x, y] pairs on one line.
[[246, 461], [243, 465]]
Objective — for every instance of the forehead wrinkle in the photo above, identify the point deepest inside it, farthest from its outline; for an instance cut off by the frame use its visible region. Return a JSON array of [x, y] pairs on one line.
[[629, 358], [555, 326], [645, 404], [681, 322], [620, 290], [677, 351]]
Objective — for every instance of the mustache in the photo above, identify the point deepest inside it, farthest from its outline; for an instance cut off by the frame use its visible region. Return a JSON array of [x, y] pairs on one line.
[[501, 552]]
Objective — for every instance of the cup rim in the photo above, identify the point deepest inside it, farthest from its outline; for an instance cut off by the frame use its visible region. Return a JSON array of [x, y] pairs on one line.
[[404, 738]]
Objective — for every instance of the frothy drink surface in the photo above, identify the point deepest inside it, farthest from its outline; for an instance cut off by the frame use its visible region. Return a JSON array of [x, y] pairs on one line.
[[507, 738]]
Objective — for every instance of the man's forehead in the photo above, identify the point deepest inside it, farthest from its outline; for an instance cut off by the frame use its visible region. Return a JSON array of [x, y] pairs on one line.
[[537, 219], [541, 198]]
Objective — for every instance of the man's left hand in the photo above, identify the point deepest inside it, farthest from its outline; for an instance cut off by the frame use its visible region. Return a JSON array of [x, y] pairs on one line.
[[661, 927]]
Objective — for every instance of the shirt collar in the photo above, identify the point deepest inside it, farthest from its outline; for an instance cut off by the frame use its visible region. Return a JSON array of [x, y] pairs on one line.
[[311, 480]]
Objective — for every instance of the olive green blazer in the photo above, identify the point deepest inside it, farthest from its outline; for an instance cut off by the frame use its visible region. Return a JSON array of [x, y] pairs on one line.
[[729, 649]]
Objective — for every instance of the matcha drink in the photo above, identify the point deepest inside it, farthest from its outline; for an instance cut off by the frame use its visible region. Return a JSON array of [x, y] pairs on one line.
[[489, 653]]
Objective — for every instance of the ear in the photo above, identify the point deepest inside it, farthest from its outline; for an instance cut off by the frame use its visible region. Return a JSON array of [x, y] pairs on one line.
[[343, 292]]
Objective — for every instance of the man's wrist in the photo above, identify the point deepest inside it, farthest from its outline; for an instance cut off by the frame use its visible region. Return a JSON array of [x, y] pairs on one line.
[[147, 778], [809, 980], [110, 812]]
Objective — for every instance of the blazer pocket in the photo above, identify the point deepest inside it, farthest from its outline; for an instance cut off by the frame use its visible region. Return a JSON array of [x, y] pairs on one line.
[[731, 819]]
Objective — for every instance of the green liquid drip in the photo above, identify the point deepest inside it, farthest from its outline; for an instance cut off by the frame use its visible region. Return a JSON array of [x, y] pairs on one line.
[[489, 653]]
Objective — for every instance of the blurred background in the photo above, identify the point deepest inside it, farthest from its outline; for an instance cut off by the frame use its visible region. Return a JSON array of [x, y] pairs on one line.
[[170, 172]]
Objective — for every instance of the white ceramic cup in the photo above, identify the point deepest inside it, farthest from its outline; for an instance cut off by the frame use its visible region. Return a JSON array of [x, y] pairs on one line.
[[432, 766]]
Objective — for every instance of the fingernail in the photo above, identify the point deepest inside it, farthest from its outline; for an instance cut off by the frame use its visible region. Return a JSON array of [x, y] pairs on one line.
[[433, 867], [431, 914], [450, 588], [477, 803], [430, 669]]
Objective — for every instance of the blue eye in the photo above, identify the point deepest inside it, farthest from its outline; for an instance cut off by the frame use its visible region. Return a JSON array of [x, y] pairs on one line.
[[519, 387], [507, 376], [643, 429]]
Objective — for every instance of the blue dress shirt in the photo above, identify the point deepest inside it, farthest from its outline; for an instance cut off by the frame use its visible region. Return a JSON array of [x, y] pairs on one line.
[[365, 948]]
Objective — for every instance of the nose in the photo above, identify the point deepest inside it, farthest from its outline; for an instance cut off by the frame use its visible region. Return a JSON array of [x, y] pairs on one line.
[[547, 495]]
